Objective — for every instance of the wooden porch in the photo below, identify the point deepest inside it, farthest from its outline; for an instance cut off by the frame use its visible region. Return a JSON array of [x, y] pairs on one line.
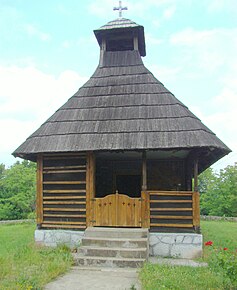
[[66, 199]]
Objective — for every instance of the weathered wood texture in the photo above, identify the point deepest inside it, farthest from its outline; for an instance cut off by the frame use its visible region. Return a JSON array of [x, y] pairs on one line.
[[174, 210], [90, 187], [63, 184], [117, 210], [39, 198], [123, 107]]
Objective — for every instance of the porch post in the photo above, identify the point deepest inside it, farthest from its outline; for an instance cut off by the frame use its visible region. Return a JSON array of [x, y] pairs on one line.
[[90, 188], [195, 174], [196, 199], [144, 171], [39, 199]]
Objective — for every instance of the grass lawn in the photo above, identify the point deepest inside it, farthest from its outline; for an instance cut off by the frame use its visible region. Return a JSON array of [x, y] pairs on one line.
[[23, 265], [224, 235]]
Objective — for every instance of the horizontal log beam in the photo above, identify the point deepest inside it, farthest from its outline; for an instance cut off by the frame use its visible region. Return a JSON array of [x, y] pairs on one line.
[[64, 202], [63, 226], [182, 217], [172, 225], [64, 209]]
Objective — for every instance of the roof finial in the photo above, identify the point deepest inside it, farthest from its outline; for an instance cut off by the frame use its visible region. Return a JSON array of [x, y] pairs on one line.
[[120, 8]]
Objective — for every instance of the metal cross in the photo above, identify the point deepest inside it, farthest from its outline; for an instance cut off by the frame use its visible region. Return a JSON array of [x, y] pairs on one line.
[[120, 8]]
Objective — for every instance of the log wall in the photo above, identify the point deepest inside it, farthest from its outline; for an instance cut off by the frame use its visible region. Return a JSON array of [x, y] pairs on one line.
[[61, 186]]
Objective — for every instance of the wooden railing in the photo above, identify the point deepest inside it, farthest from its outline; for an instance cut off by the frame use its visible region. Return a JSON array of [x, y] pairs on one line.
[[172, 210], [61, 187]]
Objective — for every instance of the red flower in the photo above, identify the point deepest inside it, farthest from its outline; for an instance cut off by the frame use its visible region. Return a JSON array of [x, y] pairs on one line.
[[225, 249], [209, 243]]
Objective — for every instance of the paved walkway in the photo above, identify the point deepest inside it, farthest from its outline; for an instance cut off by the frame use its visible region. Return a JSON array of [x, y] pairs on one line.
[[83, 278], [89, 278]]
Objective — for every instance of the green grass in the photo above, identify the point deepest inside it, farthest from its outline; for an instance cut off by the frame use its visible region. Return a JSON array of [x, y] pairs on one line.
[[24, 265], [223, 234]]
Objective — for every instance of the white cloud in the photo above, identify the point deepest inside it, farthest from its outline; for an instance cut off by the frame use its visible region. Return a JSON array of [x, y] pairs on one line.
[[28, 97], [32, 30], [169, 12]]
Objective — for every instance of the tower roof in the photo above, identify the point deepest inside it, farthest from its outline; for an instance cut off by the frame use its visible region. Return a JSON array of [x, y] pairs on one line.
[[122, 25]]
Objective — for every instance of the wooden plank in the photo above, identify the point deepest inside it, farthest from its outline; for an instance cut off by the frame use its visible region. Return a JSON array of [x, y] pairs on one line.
[[170, 194], [178, 217], [64, 182], [64, 226], [145, 214], [172, 225], [156, 192], [56, 157], [171, 209], [64, 223], [64, 171], [63, 197], [65, 215], [90, 188], [64, 202], [171, 201], [195, 174], [39, 199], [65, 167], [59, 191], [144, 171], [196, 209], [64, 209], [65, 154]]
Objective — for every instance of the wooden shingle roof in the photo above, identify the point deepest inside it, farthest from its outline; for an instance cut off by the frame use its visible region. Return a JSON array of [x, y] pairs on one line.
[[122, 107]]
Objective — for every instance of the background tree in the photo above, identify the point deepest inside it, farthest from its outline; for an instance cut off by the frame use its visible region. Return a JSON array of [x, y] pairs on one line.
[[219, 192], [17, 190]]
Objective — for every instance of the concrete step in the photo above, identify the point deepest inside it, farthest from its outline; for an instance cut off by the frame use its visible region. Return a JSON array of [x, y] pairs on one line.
[[131, 233], [114, 252], [114, 242], [110, 262]]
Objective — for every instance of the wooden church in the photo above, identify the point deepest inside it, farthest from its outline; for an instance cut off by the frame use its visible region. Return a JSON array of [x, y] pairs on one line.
[[122, 151]]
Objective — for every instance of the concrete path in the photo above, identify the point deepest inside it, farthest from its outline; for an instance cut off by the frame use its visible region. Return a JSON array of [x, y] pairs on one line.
[[84, 278]]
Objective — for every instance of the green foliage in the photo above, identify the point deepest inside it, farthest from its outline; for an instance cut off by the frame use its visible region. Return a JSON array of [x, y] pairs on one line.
[[181, 277], [17, 190], [221, 270], [25, 265], [219, 192]]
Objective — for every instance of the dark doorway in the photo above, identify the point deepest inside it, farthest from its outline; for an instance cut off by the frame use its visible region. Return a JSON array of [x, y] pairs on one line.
[[129, 184]]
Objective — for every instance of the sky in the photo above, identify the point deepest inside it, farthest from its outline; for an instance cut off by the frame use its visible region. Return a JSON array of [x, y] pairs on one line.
[[48, 50]]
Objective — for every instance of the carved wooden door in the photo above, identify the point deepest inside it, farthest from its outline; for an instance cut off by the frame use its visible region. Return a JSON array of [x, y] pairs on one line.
[[117, 210]]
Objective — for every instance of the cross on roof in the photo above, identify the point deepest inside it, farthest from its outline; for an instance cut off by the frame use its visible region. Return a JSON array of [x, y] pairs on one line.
[[120, 8]]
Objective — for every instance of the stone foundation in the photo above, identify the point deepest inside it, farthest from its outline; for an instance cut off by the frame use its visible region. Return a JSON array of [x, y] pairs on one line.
[[53, 238], [185, 246]]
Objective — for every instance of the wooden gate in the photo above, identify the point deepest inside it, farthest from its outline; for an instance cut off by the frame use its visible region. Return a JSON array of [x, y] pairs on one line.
[[117, 210]]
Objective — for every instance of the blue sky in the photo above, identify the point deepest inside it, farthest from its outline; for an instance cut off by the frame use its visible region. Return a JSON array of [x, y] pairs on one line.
[[48, 50]]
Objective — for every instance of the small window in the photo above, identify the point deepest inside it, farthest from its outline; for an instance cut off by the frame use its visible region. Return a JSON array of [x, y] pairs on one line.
[[119, 44]]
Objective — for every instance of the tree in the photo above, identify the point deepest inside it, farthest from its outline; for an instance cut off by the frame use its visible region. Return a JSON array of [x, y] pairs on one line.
[[17, 190], [219, 192]]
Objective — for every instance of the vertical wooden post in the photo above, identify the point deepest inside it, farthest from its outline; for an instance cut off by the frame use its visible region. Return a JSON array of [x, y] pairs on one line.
[[196, 175], [145, 209], [196, 211], [135, 42], [39, 198], [196, 199], [144, 171], [90, 188]]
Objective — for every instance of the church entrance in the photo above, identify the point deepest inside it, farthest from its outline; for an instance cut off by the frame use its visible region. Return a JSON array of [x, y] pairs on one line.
[[117, 201]]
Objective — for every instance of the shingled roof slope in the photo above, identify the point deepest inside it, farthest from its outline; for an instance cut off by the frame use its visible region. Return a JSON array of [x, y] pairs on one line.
[[121, 107]]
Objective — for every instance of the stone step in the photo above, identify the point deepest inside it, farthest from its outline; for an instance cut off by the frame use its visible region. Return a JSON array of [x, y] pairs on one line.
[[114, 242], [131, 233], [114, 252], [110, 262]]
